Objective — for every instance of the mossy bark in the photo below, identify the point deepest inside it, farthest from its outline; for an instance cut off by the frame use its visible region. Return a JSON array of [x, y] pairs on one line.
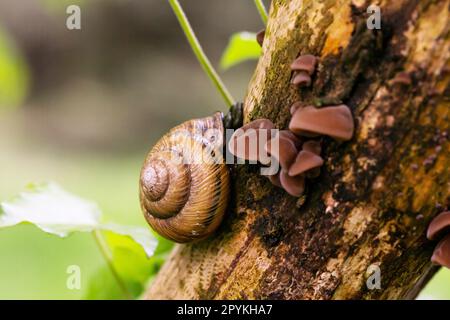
[[376, 194]]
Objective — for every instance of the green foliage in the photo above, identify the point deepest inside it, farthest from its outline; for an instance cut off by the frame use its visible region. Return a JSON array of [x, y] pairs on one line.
[[241, 47], [58, 212], [131, 264], [102, 286], [437, 288], [13, 74]]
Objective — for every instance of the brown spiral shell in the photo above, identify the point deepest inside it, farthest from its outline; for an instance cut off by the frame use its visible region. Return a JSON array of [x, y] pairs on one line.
[[184, 182]]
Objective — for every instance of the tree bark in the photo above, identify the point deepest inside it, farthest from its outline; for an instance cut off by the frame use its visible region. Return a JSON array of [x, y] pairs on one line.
[[376, 194]]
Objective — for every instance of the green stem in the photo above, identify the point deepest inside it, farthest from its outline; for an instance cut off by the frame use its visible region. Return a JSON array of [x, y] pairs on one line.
[[199, 53], [262, 10], [107, 255]]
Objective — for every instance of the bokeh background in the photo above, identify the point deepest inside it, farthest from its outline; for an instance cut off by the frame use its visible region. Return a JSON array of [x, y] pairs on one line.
[[82, 108]]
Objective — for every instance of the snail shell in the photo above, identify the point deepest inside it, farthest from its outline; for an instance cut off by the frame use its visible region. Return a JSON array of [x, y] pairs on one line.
[[184, 182]]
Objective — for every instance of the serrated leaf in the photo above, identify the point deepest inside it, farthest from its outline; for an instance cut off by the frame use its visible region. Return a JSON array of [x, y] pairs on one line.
[[241, 47], [58, 212]]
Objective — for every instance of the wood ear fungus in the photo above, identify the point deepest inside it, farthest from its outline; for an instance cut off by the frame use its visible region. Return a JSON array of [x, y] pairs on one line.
[[439, 225], [301, 79], [260, 37], [303, 67], [297, 159], [241, 140], [294, 164], [275, 180], [441, 254], [287, 150], [333, 121], [307, 159], [295, 186], [295, 107], [289, 135]]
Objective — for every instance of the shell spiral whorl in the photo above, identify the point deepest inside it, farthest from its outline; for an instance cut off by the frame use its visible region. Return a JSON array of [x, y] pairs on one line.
[[184, 182]]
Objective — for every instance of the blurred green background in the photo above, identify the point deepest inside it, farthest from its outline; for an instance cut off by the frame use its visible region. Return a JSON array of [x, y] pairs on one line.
[[82, 108]]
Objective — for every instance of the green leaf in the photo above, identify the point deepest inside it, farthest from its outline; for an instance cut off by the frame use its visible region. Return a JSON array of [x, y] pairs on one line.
[[58, 212], [14, 76], [132, 265], [130, 260], [164, 245], [437, 288], [241, 47], [103, 286], [141, 236]]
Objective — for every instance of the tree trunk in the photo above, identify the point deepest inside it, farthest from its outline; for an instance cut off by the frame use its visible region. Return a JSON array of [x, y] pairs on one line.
[[376, 194]]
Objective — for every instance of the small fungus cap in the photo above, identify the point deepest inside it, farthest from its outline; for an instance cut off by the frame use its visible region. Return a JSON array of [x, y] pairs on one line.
[[275, 179], [441, 254], [288, 146], [305, 160], [312, 146], [305, 63], [260, 37], [301, 78], [295, 186], [333, 121], [247, 136], [438, 225]]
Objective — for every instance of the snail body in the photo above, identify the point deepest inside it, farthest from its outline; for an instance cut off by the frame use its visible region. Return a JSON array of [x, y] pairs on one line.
[[184, 182]]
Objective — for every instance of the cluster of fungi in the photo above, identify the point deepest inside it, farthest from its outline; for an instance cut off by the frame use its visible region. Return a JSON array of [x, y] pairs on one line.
[[298, 152]]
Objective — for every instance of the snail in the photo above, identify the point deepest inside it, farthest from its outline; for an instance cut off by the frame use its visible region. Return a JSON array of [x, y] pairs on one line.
[[184, 183]]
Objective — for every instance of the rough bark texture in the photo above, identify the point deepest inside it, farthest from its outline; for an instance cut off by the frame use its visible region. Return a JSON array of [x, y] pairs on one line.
[[375, 195]]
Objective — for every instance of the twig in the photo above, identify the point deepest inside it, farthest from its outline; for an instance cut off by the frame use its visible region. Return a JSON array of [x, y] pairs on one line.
[[199, 53], [262, 10]]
